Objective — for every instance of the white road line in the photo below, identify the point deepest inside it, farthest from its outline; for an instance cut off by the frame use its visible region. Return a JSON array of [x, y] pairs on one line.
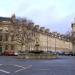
[[24, 68], [19, 66], [44, 69], [4, 71], [1, 64], [19, 70]]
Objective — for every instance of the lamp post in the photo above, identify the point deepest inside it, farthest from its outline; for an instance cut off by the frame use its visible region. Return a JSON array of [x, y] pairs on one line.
[[47, 33], [69, 42], [55, 43], [47, 42], [55, 40]]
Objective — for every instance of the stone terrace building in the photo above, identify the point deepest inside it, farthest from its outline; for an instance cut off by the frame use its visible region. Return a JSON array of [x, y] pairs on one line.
[[73, 36], [22, 34]]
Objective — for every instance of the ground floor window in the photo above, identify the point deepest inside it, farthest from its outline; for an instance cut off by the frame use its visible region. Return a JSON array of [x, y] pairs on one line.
[[0, 49], [0, 44], [12, 47], [0, 37], [6, 37], [6, 47]]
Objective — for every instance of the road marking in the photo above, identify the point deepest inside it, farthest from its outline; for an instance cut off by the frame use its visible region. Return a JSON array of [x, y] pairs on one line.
[[19, 66], [44, 69], [4, 71], [1, 64], [24, 68]]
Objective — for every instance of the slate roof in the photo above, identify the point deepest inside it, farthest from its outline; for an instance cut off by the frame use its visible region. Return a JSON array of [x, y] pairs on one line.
[[5, 19]]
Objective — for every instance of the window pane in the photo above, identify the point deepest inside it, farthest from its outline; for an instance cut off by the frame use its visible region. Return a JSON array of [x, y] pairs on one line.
[[6, 47], [0, 37], [12, 47]]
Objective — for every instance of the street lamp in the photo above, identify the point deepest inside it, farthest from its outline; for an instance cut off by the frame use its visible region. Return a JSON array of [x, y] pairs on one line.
[[47, 42], [55, 43], [36, 30], [47, 32], [55, 35]]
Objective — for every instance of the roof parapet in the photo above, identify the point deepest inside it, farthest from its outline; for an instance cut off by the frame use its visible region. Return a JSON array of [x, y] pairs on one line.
[[42, 29], [36, 27], [47, 30]]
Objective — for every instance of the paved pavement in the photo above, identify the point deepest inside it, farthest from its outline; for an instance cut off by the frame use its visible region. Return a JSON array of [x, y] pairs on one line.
[[64, 65]]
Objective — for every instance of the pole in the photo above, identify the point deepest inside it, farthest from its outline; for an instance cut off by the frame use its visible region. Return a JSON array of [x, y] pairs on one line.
[[55, 44], [47, 42]]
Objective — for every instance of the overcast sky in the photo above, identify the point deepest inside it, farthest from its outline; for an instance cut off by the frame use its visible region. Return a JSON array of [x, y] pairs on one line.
[[57, 15]]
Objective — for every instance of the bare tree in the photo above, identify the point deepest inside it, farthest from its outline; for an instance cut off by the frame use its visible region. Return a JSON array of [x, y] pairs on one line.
[[68, 35], [23, 32]]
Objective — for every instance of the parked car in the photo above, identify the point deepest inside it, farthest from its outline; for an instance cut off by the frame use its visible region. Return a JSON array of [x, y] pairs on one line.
[[60, 52], [73, 54], [8, 53], [16, 53], [51, 52], [69, 54]]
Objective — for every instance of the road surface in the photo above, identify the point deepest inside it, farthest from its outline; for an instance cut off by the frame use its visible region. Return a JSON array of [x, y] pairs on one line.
[[64, 65]]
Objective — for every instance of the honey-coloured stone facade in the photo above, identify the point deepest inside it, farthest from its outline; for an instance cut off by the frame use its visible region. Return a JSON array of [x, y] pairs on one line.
[[22, 34]]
